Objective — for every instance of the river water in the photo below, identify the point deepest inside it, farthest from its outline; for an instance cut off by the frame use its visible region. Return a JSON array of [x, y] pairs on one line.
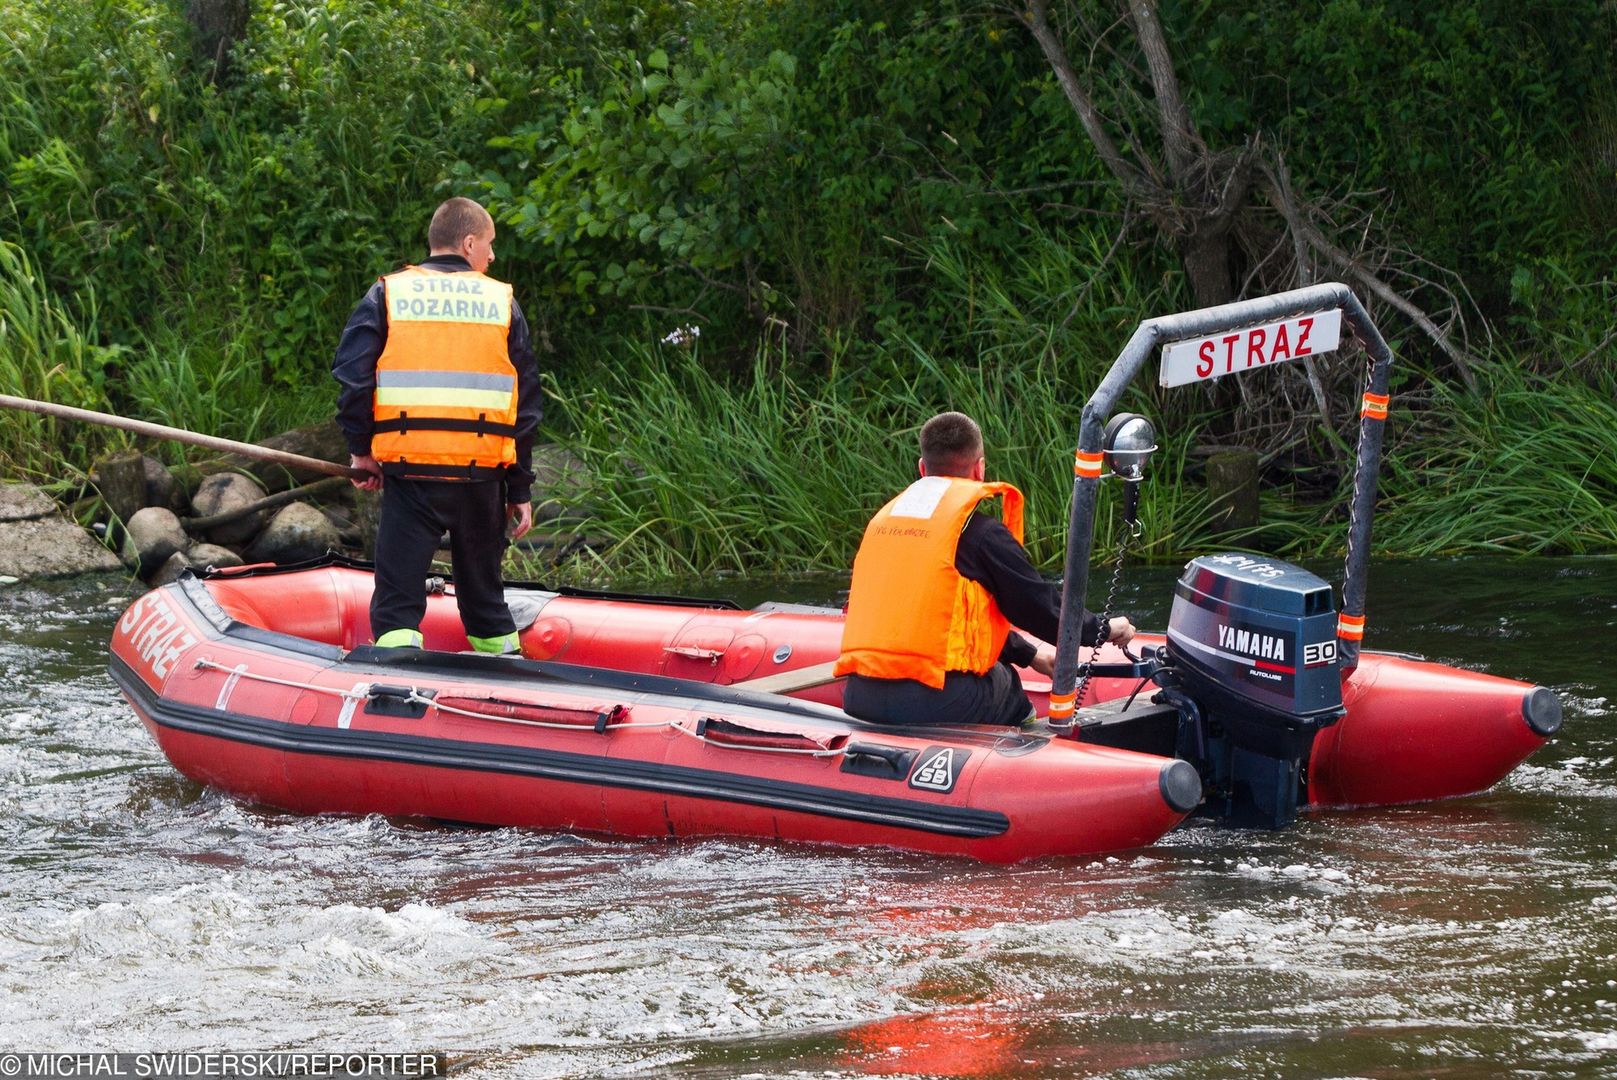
[[1472, 938]]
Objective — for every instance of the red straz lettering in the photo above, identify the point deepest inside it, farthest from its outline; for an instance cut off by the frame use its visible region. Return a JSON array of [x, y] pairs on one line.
[[1254, 348], [1198, 359], [1282, 350]]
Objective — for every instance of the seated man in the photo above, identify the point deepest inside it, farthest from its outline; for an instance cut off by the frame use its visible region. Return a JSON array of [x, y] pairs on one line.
[[936, 588]]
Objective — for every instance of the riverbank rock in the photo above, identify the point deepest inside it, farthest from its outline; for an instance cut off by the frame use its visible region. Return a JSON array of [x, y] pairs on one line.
[[37, 542], [153, 536], [175, 565], [162, 489], [296, 532], [345, 520], [121, 480], [323, 441], [223, 493], [202, 556]]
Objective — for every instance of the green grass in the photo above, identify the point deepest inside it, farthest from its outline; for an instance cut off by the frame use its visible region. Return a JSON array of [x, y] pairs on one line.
[[47, 356], [698, 475], [1529, 468]]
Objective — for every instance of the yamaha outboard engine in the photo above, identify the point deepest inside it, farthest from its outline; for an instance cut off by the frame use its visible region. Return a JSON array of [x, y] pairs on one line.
[[1252, 644]]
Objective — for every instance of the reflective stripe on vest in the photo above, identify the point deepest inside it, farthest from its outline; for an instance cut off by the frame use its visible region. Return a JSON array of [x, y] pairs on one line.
[[446, 392], [911, 615]]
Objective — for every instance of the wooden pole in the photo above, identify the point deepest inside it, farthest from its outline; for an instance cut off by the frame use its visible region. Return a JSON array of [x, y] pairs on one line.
[[161, 431]]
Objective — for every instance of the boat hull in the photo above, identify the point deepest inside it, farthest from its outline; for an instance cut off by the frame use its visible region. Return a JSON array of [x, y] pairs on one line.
[[311, 727]]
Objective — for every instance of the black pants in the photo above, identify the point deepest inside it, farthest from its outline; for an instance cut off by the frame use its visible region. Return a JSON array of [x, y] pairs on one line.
[[414, 515], [994, 698]]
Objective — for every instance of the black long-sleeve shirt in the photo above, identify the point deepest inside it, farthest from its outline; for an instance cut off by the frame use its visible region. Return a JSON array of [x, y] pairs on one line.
[[354, 367], [989, 555]]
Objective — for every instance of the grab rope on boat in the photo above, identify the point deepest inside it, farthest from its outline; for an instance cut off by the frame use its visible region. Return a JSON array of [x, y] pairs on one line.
[[609, 719], [413, 696]]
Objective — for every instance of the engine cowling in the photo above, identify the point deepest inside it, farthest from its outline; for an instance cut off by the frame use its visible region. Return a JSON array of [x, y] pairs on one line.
[[1253, 642]]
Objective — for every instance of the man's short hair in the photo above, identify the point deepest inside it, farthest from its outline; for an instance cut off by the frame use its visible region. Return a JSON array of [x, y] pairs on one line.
[[951, 443], [455, 220]]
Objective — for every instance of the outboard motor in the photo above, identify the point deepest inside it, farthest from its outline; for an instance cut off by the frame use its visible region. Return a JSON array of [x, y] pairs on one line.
[[1252, 644]]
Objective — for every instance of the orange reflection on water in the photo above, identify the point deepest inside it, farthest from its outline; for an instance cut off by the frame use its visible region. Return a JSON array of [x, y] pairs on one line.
[[947, 1042]]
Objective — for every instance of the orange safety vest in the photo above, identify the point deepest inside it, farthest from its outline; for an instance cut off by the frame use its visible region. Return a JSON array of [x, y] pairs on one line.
[[910, 613], [446, 391]]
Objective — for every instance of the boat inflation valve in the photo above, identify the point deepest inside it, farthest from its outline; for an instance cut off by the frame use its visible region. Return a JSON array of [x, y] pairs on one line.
[[1130, 439]]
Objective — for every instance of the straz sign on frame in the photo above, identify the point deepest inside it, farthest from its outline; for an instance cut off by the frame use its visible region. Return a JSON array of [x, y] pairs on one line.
[[1201, 359]]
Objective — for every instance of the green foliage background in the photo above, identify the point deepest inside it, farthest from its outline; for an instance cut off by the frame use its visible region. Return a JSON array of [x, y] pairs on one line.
[[870, 210]]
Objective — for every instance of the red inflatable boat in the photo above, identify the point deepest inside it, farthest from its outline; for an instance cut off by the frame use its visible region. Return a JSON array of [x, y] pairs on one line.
[[255, 684], [653, 716]]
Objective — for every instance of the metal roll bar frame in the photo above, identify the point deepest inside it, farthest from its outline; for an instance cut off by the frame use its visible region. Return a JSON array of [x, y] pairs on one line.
[[1147, 338]]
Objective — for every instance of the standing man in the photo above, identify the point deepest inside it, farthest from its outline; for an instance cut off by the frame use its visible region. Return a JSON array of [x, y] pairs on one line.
[[936, 588], [439, 401]]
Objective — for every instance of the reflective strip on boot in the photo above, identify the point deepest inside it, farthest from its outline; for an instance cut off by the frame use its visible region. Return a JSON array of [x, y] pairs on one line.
[[503, 645], [399, 639]]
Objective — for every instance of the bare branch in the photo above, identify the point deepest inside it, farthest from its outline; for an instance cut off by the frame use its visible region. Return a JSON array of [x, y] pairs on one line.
[[1180, 142], [1134, 182], [1592, 353], [1284, 200]]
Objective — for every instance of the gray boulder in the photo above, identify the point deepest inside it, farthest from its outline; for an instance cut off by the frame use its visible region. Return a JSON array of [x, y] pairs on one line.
[[121, 480], [161, 487], [202, 556], [323, 440], [24, 502], [225, 493], [37, 542], [152, 536], [175, 565], [297, 532], [346, 523]]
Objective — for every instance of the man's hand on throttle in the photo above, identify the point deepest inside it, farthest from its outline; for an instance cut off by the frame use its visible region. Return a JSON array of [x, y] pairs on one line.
[[1119, 631], [1044, 660]]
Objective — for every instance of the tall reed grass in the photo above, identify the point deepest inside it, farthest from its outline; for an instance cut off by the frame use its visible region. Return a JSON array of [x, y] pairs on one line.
[[1529, 468], [697, 474], [46, 355]]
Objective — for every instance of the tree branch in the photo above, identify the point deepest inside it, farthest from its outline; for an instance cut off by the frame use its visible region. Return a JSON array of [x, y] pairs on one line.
[[1135, 183], [1278, 185], [1181, 144]]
